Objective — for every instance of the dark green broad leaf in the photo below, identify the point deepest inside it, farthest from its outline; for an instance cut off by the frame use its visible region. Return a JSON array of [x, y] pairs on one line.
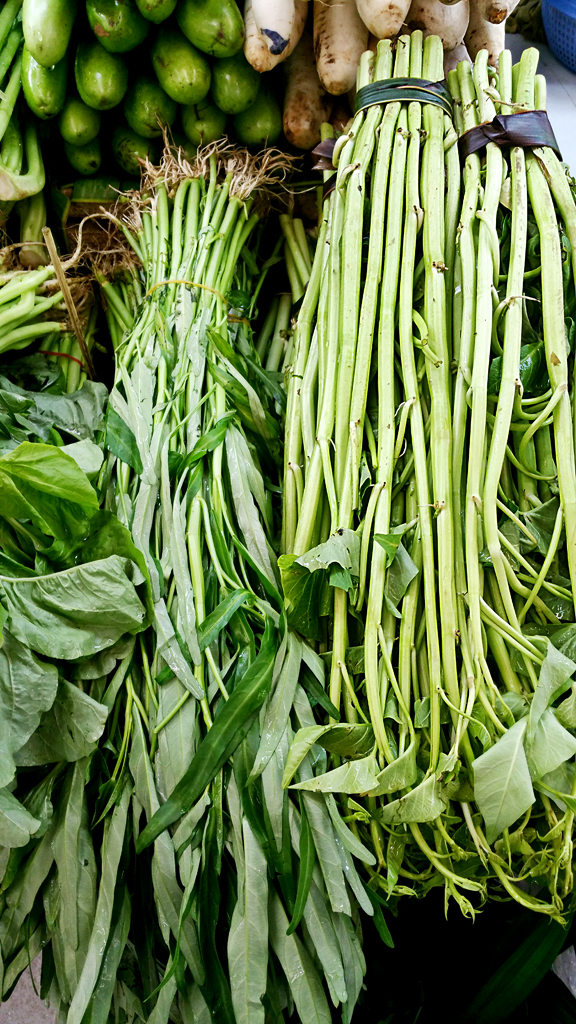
[[41, 483], [553, 681], [303, 595], [532, 370], [307, 854], [540, 521], [342, 549], [550, 746], [28, 688], [74, 613], [351, 777], [230, 727], [317, 694], [398, 578], [98, 1009], [350, 741], [16, 823], [79, 414], [121, 442], [68, 731], [502, 783], [220, 617], [35, 373], [423, 803]]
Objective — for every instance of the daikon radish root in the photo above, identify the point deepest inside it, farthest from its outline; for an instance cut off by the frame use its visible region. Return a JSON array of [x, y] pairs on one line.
[[482, 35], [384, 18], [340, 39], [434, 18], [274, 21], [496, 11], [452, 58], [306, 102], [256, 48]]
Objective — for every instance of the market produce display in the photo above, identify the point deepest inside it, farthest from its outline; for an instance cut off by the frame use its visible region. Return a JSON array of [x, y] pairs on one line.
[[287, 605]]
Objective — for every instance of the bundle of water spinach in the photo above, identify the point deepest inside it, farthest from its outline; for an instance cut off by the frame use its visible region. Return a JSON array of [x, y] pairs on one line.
[[429, 489], [249, 893]]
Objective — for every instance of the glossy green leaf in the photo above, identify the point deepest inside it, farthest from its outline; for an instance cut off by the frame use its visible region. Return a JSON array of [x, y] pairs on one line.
[[351, 777], [423, 803], [307, 856], [349, 841], [28, 688], [212, 625], [79, 414], [41, 483], [398, 578], [229, 729], [248, 936], [99, 1006], [74, 613], [121, 442], [327, 850], [16, 823], [553, 680], [502, 785], [279, 705], [319, 922], [69, 731], [113, 841], [400, 774], [302, 592], [300, 972], [550, 745]]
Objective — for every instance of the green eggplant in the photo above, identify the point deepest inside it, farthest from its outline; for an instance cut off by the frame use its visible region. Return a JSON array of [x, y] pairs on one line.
[[78, 123], [214, 26], [44, 88], [84, 159], [235, 84], [203, 123], [261, 124], [101, 77], [156, 10], [118, 24], [183, 72], [128, 147], [148, 108], [47, 26]]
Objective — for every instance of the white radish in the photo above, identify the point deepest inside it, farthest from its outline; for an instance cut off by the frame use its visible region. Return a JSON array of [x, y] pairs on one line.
[[384, 18], [340, 39], [452, 58], [481, 35], [255, 47], [274, 21], [436, 19], [496, 11], [306, 103]]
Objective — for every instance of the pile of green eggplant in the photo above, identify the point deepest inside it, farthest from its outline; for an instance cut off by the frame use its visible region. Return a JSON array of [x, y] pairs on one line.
[[114, 74]]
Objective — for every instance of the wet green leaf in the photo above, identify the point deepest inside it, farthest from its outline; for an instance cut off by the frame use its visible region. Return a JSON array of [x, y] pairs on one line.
[[502, 785]]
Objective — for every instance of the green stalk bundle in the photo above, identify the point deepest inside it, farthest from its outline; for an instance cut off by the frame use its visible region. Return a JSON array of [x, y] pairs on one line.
[[429, 479], [251, 903]]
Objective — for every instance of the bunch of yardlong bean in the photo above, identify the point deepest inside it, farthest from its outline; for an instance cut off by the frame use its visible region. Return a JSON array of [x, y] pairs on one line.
[[430, 489]]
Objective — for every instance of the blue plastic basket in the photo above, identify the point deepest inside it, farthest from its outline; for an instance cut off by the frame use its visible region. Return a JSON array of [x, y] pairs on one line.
[[559, 20]]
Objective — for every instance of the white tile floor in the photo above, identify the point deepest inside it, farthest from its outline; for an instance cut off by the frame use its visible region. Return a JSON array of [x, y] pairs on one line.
[[24, 1007]]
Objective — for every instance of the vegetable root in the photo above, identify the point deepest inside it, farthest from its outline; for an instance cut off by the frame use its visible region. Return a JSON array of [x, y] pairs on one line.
[[453, 57], [482, 35], [306, 103], [256, 48], [384, 18], [274, 20], [496, 11], [340, 38], [434, 18]]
